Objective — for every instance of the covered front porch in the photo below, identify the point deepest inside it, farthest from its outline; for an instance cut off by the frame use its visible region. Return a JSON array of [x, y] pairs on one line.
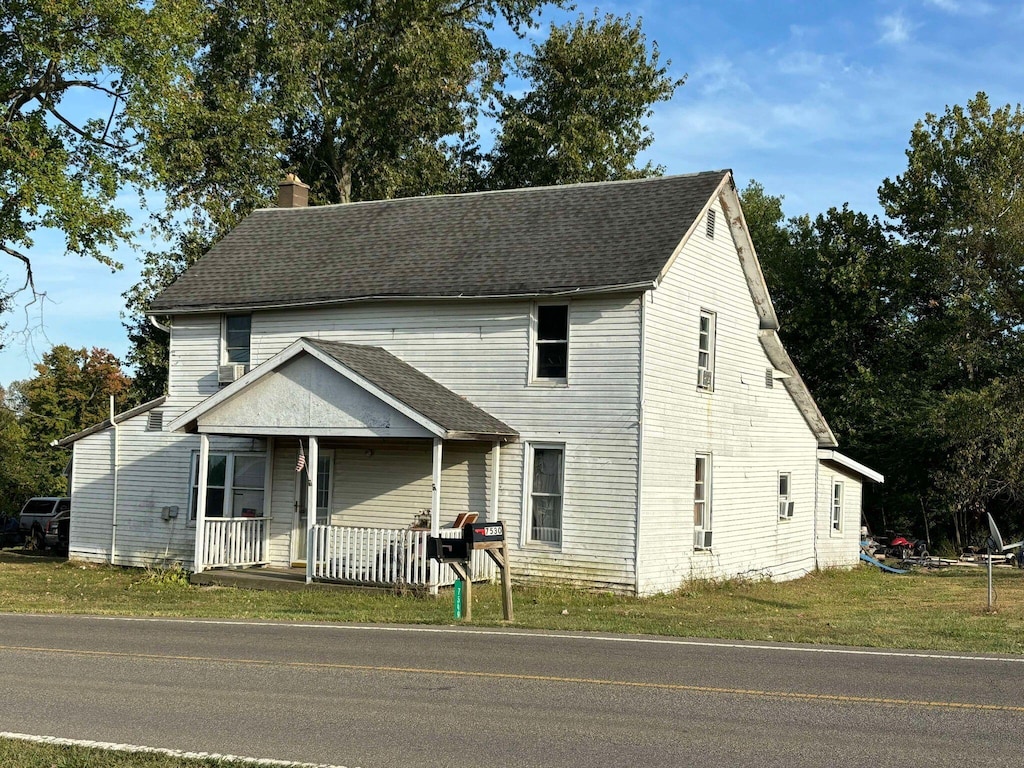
[[364, 458]]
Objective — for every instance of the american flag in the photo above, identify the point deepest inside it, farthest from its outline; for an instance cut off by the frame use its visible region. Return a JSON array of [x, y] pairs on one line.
[[301, 463]]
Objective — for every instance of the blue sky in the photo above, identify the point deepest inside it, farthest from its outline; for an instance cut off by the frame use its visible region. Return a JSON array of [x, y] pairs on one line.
[[815, 100]]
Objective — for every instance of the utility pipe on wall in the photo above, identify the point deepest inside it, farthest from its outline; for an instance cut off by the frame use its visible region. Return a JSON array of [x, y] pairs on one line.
[[113, 514]]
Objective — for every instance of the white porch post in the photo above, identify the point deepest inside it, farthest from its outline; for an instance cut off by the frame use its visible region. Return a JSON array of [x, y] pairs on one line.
[[435, 509], [204, 471], [312, 465], [495, 478]]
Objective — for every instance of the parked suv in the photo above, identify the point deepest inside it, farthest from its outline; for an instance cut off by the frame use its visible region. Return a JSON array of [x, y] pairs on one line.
[[36, 516]]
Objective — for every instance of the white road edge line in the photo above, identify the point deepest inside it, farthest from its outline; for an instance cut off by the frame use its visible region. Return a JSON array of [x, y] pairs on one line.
[[112, 747], [538, 634]]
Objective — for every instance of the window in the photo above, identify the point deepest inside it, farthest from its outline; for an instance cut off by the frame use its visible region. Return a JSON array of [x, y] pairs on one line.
[[785, 503], [706, 350], [237, 330], [551, 347], [545, 496], [837, 506], [234, 485], [702, 502]]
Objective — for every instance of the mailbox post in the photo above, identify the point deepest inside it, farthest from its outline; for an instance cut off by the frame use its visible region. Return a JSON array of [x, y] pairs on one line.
[[485, 536]]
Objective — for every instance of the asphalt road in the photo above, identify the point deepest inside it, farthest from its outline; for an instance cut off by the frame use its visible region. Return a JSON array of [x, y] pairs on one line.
[[432, 696]]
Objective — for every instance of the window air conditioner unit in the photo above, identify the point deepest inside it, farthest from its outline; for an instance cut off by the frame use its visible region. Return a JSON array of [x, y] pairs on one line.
[[226, 374], [705, 378], [701, 539], [786, 509]]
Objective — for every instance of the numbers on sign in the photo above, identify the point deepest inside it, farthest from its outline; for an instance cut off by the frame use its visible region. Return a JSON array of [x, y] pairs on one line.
[[492, 530]]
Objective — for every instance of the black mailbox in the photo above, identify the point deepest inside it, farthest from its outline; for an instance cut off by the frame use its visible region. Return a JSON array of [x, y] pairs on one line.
[[476, 534], [447, 550]]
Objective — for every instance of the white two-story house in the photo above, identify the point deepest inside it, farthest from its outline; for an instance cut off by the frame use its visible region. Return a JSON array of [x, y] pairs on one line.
[[596, 365]]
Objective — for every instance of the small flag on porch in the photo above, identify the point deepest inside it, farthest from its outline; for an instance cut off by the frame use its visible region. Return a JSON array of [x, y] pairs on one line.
[[301, 463]]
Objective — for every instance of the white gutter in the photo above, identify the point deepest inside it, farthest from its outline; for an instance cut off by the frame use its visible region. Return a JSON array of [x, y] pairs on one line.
[[850, 464], [640, 442], [552, 293], [158, 325]]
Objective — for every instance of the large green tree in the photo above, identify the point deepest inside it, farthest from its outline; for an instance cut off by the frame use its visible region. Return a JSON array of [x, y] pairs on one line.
[[591, 84], [62, 171], [369, 100], [911, 332], [959, 206], [70, 391]]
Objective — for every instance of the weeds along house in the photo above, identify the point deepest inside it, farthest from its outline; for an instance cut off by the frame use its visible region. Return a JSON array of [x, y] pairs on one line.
[[597, 365]]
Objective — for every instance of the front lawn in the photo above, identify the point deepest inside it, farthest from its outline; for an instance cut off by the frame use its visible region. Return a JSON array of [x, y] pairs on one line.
[[943, 610]]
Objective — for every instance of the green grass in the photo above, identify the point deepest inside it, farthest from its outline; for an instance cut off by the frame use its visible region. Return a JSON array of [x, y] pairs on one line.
[[944, 610], [15, 753]]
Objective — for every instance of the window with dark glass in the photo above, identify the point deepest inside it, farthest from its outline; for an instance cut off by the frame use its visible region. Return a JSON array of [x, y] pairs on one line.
[[237, 330], [552, 341], [546, 495], [234, 485]]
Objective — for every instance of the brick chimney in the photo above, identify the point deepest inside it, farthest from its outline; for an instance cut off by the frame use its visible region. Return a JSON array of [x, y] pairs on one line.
[[292, 193]]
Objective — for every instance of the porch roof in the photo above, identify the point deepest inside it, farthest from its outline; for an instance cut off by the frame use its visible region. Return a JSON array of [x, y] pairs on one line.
[[384, 383]]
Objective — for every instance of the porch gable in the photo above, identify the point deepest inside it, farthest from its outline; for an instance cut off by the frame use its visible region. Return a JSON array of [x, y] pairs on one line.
[[305, 396]]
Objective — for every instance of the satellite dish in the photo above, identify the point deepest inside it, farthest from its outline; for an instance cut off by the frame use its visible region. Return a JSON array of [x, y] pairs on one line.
[[998, 540]]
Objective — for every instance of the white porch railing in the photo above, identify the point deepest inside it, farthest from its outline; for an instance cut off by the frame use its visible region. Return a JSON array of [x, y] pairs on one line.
[[385, 557], [235, 541]]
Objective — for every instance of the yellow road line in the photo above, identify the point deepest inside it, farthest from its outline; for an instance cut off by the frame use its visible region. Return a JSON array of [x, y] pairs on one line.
[[790, 695]]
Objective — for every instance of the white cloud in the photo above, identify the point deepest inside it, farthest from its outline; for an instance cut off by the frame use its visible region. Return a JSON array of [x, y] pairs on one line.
[[963, 7], [896, 28]]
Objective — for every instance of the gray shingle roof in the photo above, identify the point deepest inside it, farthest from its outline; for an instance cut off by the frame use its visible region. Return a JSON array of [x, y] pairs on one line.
[[414, 388], [518, 242]]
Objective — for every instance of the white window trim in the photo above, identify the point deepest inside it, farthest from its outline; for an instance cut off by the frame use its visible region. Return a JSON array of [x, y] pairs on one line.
[[531, 377], [712, 341], [835, 522], [229, 472], [708, 520], [785, 512], [526, 525], [224, 338]]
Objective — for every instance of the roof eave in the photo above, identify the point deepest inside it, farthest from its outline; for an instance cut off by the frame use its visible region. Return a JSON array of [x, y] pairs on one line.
[[161, 311], [850, 464], [64, 442], [797, 388]]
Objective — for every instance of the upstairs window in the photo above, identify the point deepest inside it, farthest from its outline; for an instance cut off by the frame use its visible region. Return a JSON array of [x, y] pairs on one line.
[[706, 350], [786, 504], [551, 346], [237, 330]]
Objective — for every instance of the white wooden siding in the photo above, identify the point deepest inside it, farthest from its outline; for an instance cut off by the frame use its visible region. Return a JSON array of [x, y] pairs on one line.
[[838, 549], [481, 351], [153, 472], [751, 431]]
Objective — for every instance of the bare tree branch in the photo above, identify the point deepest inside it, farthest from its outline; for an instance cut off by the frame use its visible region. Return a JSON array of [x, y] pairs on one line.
[[80, 132], [29, 278]]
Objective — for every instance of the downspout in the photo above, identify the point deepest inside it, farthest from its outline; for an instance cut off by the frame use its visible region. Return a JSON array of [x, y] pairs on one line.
[[817, 466], [113, 514], [640, 441], [158, 325]]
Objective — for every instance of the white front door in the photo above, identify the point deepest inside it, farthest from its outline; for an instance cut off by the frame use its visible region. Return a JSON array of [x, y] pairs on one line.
[[324, 486]]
